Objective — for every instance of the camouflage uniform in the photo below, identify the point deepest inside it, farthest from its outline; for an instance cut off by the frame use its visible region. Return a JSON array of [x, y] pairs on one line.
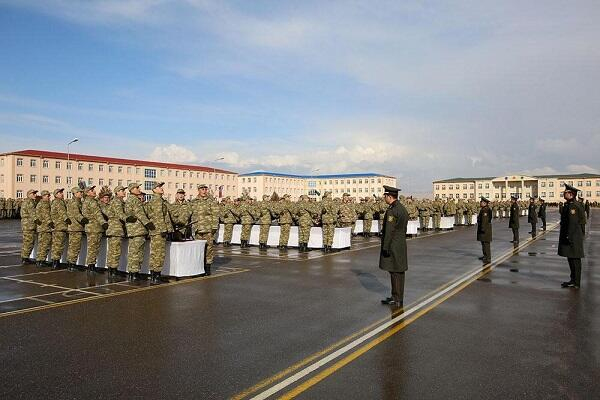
[[136, 222], [424, 212], [75, 228], [437, 210], [460, 212], [2, 207], [264, 220], [116, 229], [28, 227], [202, 209], [158, 214], [304, 215], [368, 212], [181, 211], [44, 224], [10, 207], [229, 219], [94, 228], [285, 211], [215, 210], [245, 212], [58, 212], [347, 213], [329, 220]]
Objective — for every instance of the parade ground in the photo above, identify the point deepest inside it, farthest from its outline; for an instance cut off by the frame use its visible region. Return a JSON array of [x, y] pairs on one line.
[[311, 325]]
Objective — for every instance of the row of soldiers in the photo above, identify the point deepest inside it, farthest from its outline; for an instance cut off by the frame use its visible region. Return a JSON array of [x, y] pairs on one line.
[[10, 208]]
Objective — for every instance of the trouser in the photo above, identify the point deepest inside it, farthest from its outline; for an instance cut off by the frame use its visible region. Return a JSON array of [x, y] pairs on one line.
[[28, 243], [353, 227], [575, 266], [74, 247], [328, 231], [424, 222], [543, 223], [303, 233], [284, 235], [469, 219], [263, 235], [367, 223], [135, 253], [58, 244], [487, 252], [458, 219], [158, 250], [533, 229], [515, 234], [209, 256], [113, 253], [44, 243], [246, 230], [227, 233], [397, 279], [93, 247], [380, 225], [437, 220]]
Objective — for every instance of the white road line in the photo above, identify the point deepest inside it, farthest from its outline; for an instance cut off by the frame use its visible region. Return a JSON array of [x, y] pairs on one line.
[[66, 289]]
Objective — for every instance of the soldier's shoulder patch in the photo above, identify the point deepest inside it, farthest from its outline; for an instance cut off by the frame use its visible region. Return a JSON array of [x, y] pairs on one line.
[[573, 211], [390, 218]]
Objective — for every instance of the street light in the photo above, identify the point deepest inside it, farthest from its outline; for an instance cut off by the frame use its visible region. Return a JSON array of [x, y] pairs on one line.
[[214, 169], [312, 177], [69, 157]]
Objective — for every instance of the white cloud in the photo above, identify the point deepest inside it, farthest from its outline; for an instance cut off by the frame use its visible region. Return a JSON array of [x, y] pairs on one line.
[[173, 153], [582, 168]]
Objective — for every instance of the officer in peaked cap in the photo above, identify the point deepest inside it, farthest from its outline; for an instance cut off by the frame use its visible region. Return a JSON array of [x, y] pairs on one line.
[[542, 213], [532, 216], [572, 230], [513, 220], [484, 229], [393, 256]]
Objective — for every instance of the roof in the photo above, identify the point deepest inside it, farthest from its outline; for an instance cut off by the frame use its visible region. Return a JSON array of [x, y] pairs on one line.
[[558, 176], [336, 176], [453, 180], [112, 160]]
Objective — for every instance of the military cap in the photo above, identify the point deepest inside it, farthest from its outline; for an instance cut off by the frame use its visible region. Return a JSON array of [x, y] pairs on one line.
[[30, 191], [87, 189], [390, 190], [266, 196], [202, 186], [346, 195], [133, 185], [542, 200], [157, 184], [56, 191], [571, 188], [76, 189], [119, 188], [181, 191], [105, 191], [512, 196], [45, 193], [532, 197], [484, 200]]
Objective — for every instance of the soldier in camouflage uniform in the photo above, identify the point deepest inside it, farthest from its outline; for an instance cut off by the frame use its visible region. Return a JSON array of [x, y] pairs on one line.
[[181, 211], [304, 214], [116, 230], [216, 215], [158, 214], [264, 220], [229, 219], [329, 213], [58, 213], [368, 214], [95, 228], [471, 208], [76, 227], [424, 213], [285, 210], [28, 225], [44, 223], [137, 226], [460, 212], [245, 213], [437, 210], [203, 219], [2, 207], [10, 207]]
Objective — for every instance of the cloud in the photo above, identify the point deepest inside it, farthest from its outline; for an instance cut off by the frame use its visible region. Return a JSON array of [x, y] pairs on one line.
[[582, 168], [173, 153]]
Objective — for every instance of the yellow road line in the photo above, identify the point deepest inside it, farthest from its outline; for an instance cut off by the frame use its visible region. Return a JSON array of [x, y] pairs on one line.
[[104, 296]]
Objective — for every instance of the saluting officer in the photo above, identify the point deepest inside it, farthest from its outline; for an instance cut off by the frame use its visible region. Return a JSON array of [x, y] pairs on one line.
[[484, 229], [570, 241], [393, 257]]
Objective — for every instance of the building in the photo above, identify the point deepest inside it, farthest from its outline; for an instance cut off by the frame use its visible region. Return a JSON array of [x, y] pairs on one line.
[[547, 187], [46, 170], [256, 184]]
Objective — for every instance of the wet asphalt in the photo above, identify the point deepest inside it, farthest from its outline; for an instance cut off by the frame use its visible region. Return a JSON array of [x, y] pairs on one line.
[[507, 335]]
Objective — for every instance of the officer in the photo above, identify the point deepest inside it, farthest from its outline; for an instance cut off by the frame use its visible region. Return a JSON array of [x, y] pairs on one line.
[[513, 221], [203, 219], [158, 214], [94, 229], [137, 226], [181, 211], [60, 219], [28, 225], [570, 241], [532, 216], [542, 213], [484, 229], [285, 210], [44, 223], [76, 227], [393, 257], [116, 230]]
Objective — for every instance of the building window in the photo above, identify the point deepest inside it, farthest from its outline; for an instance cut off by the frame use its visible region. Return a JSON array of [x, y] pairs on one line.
[[110, 182], [451, 187], [19, 162], [32, 179], [464, 195], [487, 185], [69, 180], [588, 194], [597, 194], [90, 167], [101, 168], [57, 165], [57, 179], [360, 181], [80, 179], [437, 187], [543, 184], [579, 183], [90, 181], [550, 184], [32, 163], [150, 173], [69, 165], [550, 194], [480, 186], [110, 168], [137, 171], [129, 170], [120, 170], [471, 186], [464, 186], [69, 195], [45, 164], [101, 182], [588, 183], [45, 179], [543, 194], [120, 182], [19, 194], [79, 166], [148, 185], [312, 184], [19, 177]]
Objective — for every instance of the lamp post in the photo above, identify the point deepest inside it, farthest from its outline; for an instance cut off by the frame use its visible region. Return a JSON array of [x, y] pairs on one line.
[[214, 169], [69, 157], [312, 178]]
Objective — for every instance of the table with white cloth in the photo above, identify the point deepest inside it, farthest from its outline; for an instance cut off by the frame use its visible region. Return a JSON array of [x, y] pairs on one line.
[[359, 226]]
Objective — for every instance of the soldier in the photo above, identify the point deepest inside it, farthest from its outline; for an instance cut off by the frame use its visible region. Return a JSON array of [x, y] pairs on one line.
[[264, 220], [484, 230], [393, 257], [368, 212], [532, 216], [28, 225], [158, 214], [44, 223], [203, 219], [229, 220], [245, 213], [450, 208], [181, 212], [137, 226], [58, 212], [304, 214], [75, 228], [570, 242], [460, 212], [10, 207], [94, 229], [587, 209], [329, 220], [216, 214], [436, 214], [381, 209], [347, 212], [116, 230], [513, 222], [285, 209], [471, 209], [424, 212], [2, 207], [542, 213]]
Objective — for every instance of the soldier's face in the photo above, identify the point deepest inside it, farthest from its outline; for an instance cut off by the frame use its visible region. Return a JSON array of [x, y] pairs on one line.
[[158, 190], [203, 192], [180, 196], [78, 194], [59, 195], [135, 191], [568, 195], [32, 195], [91, 193], [46, 197], [121, 193], [105, 199]]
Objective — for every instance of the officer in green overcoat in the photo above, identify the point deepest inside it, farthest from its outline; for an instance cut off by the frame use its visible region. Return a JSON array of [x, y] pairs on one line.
[[513, 221], [393, 257], [484, 229], [570, 241]]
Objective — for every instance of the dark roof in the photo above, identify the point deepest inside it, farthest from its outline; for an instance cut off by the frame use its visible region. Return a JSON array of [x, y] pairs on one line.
[[111, 160], [367, 174]]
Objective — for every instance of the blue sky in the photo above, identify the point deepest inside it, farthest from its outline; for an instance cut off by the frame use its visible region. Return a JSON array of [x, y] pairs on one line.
[[419, 90]]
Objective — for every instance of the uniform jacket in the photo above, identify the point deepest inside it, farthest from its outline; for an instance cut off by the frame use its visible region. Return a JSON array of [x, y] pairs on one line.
[[513, 221], [74, 213], [42, 214], [532, 214], [484, 225], [158, 213], [329, 212], [91, 210], [116, 217], [393, 240], [202, 209], [28, 215], [572, 226], [135, 208], [542, 211], [285, 211], [58, 213]]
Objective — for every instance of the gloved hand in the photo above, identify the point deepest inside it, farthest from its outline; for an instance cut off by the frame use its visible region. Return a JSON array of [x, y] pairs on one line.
[[105, 226], [84, 221], [385, 253], [37, 222], [130, 219], [51, 225], [68, 221], [150, 226]]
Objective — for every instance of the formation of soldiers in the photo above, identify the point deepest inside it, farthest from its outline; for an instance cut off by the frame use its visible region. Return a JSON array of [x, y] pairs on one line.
[[10, 208]]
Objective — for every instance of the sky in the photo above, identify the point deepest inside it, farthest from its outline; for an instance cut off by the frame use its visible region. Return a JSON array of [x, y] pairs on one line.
[[420, 90]]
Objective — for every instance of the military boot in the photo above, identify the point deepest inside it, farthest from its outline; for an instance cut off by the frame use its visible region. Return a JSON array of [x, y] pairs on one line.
[[226, 244], [25, 261], [112, 272], [91, 267], [39, 264], [71, 267], [207, 269], [55, 264]]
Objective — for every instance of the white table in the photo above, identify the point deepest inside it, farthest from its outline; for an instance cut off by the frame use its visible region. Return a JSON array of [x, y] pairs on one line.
[[359, 226]]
